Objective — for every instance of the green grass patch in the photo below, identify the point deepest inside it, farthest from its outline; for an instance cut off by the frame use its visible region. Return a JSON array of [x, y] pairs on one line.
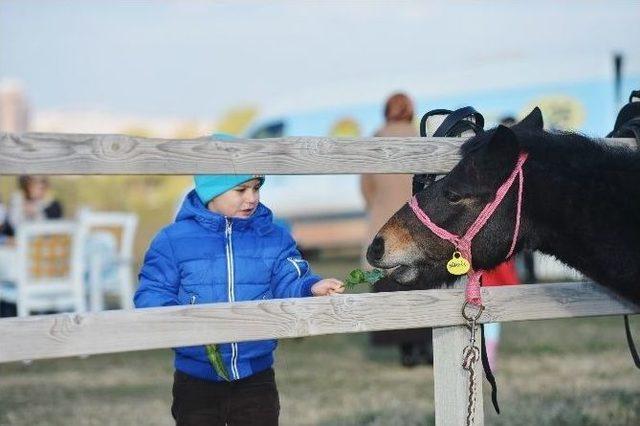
[[553, 372]]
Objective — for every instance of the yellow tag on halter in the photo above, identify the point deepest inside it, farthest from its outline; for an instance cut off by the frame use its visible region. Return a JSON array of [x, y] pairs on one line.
[[458, 265]]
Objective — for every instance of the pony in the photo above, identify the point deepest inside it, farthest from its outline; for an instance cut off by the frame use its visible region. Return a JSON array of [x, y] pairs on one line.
[[580, 203]]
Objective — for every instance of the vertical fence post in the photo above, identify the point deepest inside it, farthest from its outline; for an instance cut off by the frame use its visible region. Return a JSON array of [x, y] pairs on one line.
[[451, 382]]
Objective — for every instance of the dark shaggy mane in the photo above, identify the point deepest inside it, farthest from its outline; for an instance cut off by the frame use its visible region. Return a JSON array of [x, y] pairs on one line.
[[582, 200], [567, 149]]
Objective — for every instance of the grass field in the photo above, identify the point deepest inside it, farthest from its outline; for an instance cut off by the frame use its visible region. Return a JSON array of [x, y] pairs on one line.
[[554, 372]]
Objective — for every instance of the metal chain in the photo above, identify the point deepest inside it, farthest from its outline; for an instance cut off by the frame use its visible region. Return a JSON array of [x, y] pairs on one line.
[[470, 356]]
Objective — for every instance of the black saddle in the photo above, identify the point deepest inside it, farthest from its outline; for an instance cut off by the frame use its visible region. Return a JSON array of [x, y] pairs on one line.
[[454, 125], [628, 126], [628, 121]]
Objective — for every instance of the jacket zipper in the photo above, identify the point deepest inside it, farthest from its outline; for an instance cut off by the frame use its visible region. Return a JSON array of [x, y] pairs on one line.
[[231, 291]]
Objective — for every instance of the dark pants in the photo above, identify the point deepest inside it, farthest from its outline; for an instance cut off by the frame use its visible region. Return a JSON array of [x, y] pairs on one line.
[[529, 267], [249, 401], [416, 343]]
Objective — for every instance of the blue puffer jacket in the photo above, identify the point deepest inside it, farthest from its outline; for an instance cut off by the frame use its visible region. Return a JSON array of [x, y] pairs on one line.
[[204, 258]]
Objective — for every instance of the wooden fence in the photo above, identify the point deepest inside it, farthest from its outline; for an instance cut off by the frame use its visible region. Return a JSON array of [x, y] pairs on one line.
[[51, 336]]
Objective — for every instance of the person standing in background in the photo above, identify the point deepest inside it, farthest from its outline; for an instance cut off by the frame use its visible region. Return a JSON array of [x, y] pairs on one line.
[[384, 194]]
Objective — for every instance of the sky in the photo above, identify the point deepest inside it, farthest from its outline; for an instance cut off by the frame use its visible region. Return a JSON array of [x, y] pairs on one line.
[[198, 58]]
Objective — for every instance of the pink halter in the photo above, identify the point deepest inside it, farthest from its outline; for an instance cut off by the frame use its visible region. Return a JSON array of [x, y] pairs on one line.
[[463, 244]]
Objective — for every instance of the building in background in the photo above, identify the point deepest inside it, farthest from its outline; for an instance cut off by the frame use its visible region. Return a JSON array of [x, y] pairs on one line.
[[579, 96], [96, 121], [14, 107]]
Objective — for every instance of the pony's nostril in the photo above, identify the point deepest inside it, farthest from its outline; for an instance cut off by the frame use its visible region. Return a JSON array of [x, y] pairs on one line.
[[376, 249]]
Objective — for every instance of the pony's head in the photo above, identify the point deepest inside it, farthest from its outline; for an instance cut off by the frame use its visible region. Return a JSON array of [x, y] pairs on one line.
[[410, 250]]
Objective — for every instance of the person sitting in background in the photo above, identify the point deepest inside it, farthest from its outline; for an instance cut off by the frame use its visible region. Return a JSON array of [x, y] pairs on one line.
[[3, 220], [34, 202]]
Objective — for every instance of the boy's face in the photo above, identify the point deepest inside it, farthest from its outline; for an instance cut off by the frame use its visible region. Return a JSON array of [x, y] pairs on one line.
[[240, 201]]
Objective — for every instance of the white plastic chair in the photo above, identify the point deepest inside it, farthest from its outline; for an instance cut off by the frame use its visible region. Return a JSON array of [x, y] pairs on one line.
[[108, 241], [48, 269]]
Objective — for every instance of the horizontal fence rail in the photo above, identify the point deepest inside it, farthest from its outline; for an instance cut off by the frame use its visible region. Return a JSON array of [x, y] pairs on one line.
[[73, 334], [75, 154], [61, 335]]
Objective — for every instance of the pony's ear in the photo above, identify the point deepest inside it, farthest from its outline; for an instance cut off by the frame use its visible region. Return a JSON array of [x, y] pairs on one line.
[[500, 155], [504, 141], [533, 121]]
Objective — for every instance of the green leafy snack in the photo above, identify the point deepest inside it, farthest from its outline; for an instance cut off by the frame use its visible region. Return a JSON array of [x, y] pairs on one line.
[[213, 353], [358, 276]]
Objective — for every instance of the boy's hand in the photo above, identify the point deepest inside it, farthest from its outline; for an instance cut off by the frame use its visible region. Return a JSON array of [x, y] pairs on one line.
[[327, 286]]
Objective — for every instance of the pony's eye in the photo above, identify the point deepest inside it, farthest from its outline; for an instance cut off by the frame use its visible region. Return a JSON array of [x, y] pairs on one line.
[[451, 196]]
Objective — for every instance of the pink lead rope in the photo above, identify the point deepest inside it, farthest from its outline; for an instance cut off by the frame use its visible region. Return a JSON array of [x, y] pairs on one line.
[[463, 244]]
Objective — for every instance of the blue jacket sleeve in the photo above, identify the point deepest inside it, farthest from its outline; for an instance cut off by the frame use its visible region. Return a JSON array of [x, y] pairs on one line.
[[292, 276], [159, 278]]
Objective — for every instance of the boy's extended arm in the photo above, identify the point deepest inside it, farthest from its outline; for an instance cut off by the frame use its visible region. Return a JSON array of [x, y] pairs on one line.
[[159, 277], [292, 276]]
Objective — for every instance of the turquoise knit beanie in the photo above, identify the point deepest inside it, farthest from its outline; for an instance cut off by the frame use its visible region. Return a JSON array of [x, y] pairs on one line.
[[209, 187]]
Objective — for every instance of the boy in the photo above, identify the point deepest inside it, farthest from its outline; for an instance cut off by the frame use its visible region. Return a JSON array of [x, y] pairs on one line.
[[224, 247]]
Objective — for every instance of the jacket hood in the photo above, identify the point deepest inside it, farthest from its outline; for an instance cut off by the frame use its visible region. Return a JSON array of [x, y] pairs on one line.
[[193, 209]]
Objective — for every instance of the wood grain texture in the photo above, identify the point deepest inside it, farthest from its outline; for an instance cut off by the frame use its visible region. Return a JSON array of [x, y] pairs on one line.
[[450, 381], [61, 335], [116, 154], [71, 154]]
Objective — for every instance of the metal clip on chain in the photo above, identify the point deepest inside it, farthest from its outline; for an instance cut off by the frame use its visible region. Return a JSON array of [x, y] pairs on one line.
[[470, 356]]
